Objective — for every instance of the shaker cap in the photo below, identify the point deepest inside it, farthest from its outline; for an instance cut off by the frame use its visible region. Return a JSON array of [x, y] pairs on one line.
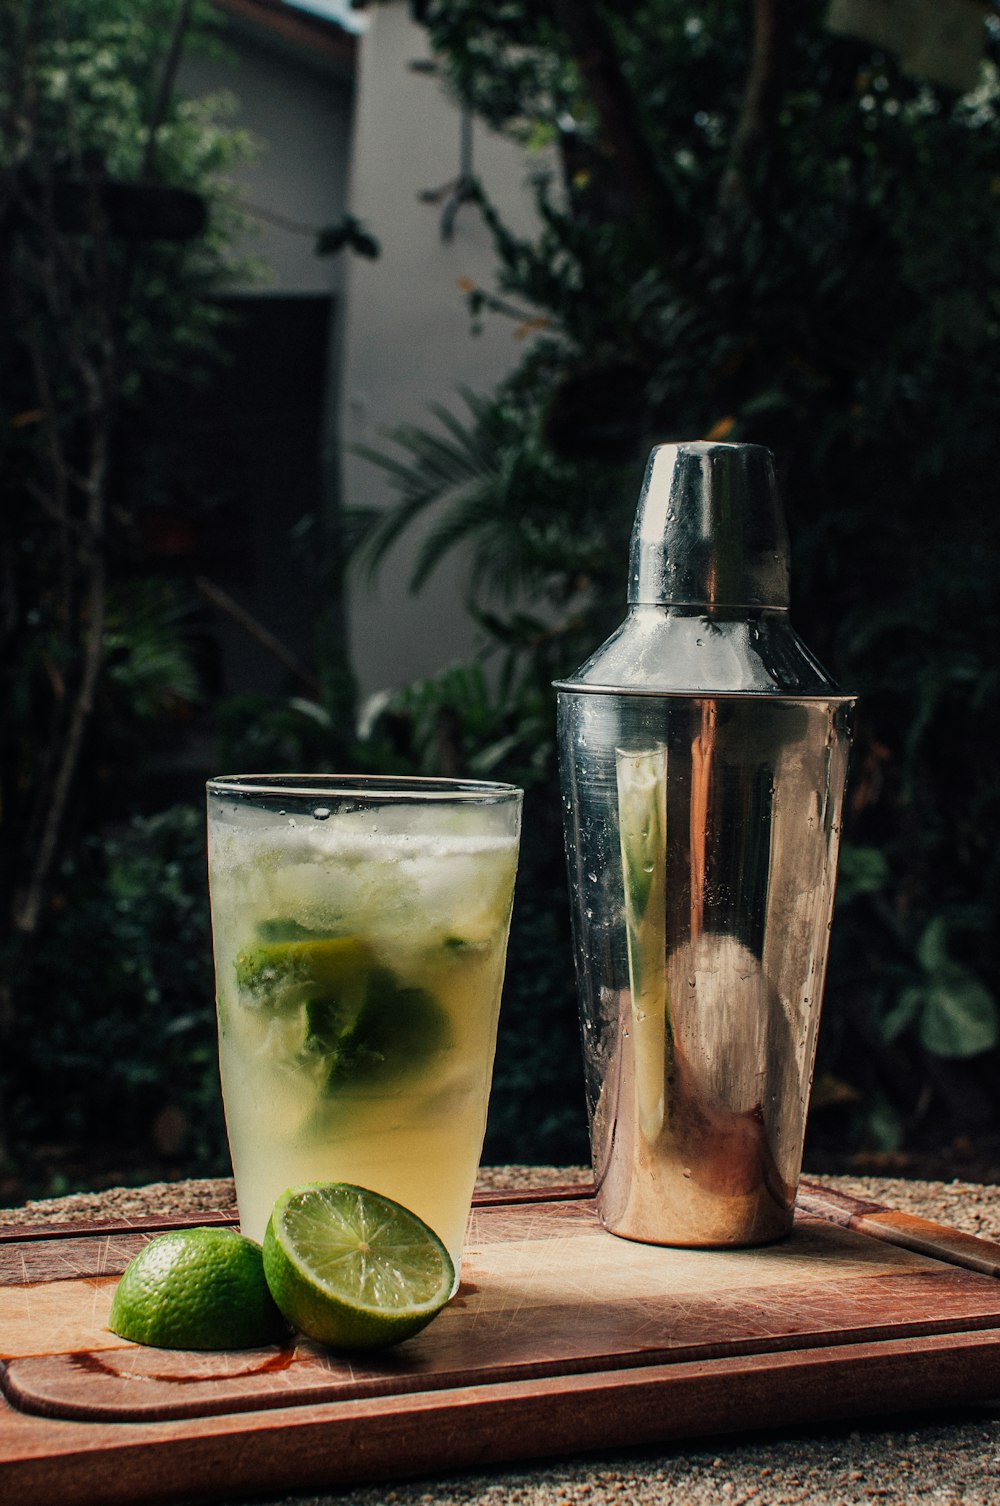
[[709, 529]]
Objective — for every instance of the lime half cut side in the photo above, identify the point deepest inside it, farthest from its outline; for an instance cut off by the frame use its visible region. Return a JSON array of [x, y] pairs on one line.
[[353, 1269]]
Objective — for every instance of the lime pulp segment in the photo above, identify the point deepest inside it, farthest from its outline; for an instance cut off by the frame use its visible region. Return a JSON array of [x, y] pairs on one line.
[[352, 1268]]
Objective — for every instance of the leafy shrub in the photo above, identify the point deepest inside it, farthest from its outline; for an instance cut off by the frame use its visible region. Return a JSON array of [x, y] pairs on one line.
[[119, 1058]]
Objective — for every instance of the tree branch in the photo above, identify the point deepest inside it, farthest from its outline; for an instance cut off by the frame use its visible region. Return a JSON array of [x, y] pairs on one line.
[[54, 796], [165, 87], [596, 56], [90, 352], [761, 102], [224, 603]]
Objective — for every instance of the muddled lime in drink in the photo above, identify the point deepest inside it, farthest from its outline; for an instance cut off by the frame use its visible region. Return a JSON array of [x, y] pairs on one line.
[[347, 1017]]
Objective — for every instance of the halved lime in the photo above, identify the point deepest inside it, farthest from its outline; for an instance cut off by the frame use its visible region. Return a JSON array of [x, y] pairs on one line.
[[197, 1289], [354, 1269]]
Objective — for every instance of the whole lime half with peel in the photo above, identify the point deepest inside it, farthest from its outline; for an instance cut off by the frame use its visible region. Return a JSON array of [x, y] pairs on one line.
[[197, 1289], [353, 1269]]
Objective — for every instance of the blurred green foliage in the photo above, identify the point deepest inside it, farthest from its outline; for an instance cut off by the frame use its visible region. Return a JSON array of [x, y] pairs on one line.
[[117, 1060], [116, 216]]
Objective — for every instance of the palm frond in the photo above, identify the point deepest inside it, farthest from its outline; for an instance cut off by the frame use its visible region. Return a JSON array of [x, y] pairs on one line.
[[450, 471], [483, 480], [480, 517]]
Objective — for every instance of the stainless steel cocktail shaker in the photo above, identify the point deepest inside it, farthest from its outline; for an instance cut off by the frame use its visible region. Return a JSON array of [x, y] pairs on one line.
[[703, 754]]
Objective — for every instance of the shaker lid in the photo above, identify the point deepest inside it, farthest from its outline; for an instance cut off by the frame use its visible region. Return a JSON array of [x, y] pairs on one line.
[[708, 587], [709, 529]]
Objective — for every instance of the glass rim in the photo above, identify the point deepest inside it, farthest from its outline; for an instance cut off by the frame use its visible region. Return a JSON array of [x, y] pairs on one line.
[[391, 787]]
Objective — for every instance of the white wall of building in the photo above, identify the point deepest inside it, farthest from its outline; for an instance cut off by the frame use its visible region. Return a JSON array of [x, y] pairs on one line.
[[407, 341], [295, 98], [299, 113], [401, 337]]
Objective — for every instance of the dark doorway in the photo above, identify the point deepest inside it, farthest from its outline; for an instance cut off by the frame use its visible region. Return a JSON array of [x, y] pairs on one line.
[[267, 406], [246, 504]]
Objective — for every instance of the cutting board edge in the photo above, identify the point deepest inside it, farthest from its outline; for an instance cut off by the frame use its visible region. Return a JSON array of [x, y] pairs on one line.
[[394, 1438]]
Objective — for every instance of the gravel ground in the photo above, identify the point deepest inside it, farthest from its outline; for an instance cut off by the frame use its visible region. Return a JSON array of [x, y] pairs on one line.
[[948, 1459], [970, 1206], [215, 1194], [948, 1464]]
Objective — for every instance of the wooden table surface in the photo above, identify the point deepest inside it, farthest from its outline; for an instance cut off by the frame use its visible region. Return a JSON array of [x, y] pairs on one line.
[[946, 1455]]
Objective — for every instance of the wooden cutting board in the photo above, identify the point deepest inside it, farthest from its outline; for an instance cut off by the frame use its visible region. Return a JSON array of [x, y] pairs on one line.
[[561, 1338]]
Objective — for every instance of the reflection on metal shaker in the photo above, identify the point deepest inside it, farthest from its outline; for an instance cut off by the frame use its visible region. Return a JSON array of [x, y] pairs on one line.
[[703, 754]]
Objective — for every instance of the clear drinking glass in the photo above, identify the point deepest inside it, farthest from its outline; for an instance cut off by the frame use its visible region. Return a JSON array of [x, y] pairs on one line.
[[360, 932]]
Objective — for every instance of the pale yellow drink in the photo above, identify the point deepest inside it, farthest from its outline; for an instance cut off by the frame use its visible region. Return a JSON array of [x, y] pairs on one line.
[[359, 953]]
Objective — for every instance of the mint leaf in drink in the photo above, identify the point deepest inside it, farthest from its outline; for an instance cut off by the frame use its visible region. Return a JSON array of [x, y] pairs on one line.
[[326, 1022]]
